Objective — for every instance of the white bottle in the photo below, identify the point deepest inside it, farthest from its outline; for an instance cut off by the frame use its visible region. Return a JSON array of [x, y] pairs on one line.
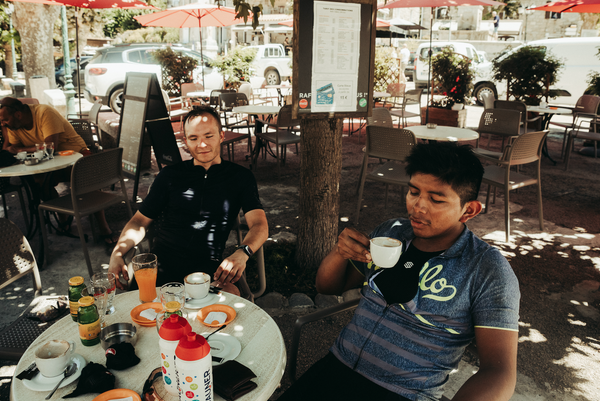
[[172, 330], [194, 368]]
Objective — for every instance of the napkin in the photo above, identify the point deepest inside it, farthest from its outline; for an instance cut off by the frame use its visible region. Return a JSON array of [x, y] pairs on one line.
[[220, 317], [94, 378], [122, 399], [121, 356], [149, 314], [232, 380]]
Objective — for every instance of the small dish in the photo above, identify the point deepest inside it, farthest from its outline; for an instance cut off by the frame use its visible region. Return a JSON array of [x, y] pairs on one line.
[[31, 161], [228, 310], [142, 321], [224, 346], [202, 302], [66, 152], [118, 393], [42, 383], [118, 333]]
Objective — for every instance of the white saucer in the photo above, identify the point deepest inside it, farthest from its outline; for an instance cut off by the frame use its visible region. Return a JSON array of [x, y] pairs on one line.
[[223, 346], [43, 383], [202, 302]]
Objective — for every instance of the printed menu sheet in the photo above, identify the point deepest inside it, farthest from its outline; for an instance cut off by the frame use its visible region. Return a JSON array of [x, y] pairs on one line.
[[336, 50]]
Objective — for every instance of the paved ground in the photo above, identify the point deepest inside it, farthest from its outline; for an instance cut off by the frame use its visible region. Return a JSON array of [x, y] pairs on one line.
[[551, 354]]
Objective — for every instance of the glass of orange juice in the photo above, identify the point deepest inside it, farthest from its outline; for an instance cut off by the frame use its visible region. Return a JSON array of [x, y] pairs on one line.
[[145, 267]]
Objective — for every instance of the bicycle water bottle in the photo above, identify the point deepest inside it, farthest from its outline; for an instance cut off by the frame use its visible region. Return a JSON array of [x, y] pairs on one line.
[[194, 368], [172, 330]]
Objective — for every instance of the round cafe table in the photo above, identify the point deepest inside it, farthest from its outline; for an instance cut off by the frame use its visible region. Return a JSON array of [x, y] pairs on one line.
[[263, 349], [443, 133]]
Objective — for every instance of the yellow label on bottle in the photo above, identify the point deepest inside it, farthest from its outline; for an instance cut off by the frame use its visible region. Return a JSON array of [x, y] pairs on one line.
[[74, 306], [89, 331]]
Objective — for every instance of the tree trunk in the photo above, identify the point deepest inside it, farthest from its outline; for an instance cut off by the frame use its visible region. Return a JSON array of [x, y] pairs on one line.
[[8, 67], [320, 173], [590, 20], [35, 23]]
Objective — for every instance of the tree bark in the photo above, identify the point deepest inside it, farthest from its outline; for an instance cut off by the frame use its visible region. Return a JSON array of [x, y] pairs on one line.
[[35, 23], [320, 173], [590, 20], [8, 67]]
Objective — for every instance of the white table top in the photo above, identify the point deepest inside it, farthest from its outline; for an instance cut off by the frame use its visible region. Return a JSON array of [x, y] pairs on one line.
[[198, 94], [443, 133], [58, 163], [263, 349], [549, 110], [256, 109], [381, 94]]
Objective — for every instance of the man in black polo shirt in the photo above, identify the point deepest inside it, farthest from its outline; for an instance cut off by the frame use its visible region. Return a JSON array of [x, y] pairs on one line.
[[198, 201]]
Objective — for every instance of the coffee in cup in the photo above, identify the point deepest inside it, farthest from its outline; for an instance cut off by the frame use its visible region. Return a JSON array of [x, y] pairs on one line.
[[385, 251], [197, 285], [53, 357]]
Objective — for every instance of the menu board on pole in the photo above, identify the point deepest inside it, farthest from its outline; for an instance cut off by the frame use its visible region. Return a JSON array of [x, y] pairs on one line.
[[333, 69]]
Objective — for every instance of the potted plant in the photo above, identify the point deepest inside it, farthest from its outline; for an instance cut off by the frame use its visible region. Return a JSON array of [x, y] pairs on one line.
[[452, 78], [529, 72], [235, 66], [594, 81]]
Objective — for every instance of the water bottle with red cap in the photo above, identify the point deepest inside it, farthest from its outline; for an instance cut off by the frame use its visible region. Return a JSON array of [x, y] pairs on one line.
[[172, 330], [194, 368]]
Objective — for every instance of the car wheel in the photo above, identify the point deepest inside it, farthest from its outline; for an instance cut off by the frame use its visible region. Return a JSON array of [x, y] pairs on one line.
[[116, 100], [481, 89], [272, 77]]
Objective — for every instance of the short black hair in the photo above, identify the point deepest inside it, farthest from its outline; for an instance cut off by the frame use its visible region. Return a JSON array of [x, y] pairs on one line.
[[13, 103], [455, 165], [200, 111]]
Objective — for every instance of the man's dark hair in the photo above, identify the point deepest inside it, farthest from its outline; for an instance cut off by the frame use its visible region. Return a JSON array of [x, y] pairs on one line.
[[452, 164], [14, 104], [201, 111]]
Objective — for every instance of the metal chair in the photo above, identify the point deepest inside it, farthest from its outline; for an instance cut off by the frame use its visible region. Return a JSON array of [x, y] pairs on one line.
[[6, 187], [386, 143], [501, 122], [83, 127], [525, 149], [411, 97], [227, 101], [284, 134], [584, 121], [585, 108], [380, 117], [89, 175], [17, 260], [214, 99]]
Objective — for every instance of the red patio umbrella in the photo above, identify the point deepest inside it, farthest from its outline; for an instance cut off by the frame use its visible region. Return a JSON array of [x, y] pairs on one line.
[[571, 6], [193, 15]]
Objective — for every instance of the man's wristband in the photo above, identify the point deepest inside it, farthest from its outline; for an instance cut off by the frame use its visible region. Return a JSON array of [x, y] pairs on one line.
[[246, 250]]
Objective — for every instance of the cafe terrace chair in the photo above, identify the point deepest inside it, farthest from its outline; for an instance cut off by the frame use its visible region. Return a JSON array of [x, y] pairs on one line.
[[16, 261], [187, 101], [89, 175], [522, 108], [175, 107], [585, 108], [284, 132], [411, 97], [385, 143], [214, 99], [396, 91], [6, 187], [586, 130], [504, 123], [234, 123], [525, 149], [83, 127]]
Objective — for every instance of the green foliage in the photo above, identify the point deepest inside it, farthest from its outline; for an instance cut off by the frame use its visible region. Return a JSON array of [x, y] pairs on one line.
[[594, 80], [177, 69], [283, 275], [151, 35], [511, 9], [383, 62], [452, 76], [120, 21], [235, 66], [244, 9], [529, 72]]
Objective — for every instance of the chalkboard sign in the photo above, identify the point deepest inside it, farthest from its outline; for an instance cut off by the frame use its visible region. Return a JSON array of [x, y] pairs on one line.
[[333, 69], [144, 110]]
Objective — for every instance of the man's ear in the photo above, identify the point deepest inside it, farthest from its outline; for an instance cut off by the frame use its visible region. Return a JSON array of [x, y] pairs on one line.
[[470, 210], [222, 136]]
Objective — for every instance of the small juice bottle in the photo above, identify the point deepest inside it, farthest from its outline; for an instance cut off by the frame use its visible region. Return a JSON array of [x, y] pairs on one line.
[[89, 321], [75, 286]]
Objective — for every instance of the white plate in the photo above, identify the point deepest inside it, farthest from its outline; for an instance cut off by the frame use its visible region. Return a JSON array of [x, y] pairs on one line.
[[223, 346], [43, 383], [202, 302]]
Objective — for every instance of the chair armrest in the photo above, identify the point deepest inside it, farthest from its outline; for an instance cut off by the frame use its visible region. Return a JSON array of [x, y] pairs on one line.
[[334, 310]]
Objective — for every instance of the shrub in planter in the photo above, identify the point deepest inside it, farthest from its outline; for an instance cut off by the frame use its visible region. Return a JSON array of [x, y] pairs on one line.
[[594, 81], [177, 69], [235, 66], [452, 77]]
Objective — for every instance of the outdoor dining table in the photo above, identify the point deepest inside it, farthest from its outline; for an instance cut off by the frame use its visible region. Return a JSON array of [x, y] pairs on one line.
[[267, 113], [280, 92], [547, 113], [263, 349], [45, 166], [443, 133]]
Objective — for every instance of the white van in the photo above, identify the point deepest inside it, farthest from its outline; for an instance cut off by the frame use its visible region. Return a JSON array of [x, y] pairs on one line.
[[579, 58], [483, 68]]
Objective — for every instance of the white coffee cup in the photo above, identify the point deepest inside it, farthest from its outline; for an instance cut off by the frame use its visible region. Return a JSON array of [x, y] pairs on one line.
[[197, 285], [385, 251], [22, 155], [53, 357], [39, 154]]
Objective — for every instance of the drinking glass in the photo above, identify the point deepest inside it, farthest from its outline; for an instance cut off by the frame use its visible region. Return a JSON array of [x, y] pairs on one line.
[[50, 150], [99, 292], [108, 280], [172, 292], [145, 268]]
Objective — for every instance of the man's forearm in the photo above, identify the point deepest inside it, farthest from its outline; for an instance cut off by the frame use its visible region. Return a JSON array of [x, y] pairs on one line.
[[256, 236], [332, 276], [132, 234], [488, 385]]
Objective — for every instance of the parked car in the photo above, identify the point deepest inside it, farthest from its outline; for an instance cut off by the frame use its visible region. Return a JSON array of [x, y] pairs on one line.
[[272, 63], [106, 71], [483, 69], [579, 58], [409, 71], [59, 72]]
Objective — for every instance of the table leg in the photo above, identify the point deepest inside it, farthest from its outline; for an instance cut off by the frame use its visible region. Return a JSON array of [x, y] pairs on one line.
[[545, 124]]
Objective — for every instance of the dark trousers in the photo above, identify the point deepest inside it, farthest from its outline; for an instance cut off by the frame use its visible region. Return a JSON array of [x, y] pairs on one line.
[[329, 379]]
